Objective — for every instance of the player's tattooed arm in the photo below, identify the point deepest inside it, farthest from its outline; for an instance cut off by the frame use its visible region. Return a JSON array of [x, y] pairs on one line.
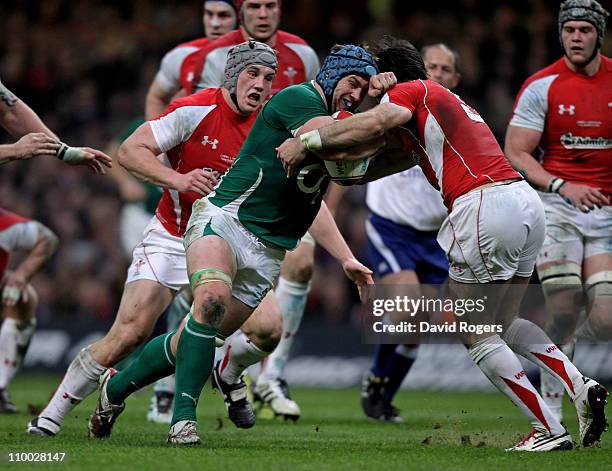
[[7, 97]]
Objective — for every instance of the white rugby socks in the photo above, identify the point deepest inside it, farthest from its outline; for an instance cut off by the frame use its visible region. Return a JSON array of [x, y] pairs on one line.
[[240, 354], [531, 342], [291, 297], [80, 381], [505, 371], [15, 337]]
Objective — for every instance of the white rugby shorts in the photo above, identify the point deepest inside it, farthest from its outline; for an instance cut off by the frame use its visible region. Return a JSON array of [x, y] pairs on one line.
[[572, 235], [493, 233], [257, 265], [160, 257]]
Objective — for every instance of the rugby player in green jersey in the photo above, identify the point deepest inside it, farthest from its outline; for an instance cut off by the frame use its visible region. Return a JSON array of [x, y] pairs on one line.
[[237, 237]]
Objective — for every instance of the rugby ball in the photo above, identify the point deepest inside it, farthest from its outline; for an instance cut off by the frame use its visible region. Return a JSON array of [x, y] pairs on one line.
[[346, 172]]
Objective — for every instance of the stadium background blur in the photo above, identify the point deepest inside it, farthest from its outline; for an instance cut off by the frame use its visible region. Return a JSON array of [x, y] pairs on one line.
[[85, 68]]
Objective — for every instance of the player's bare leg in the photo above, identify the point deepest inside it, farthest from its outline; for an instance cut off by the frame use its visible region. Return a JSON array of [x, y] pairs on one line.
[[291, 293], [18, 326], [598, 287], [142, 303]]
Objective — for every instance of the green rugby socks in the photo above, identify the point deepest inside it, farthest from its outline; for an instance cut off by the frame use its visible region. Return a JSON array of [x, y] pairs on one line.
[[154, 362], [195, 356]]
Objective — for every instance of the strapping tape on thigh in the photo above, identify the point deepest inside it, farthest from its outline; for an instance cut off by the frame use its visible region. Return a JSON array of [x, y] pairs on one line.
[[599, 284], [561, 274], [209, 275]]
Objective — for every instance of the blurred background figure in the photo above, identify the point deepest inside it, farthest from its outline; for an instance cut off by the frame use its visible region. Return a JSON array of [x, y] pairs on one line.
[[19, 299]]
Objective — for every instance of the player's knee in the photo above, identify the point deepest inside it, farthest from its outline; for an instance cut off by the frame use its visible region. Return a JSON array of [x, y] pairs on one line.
[[300, 269], [268, 337], [561, 324], [210, 305]]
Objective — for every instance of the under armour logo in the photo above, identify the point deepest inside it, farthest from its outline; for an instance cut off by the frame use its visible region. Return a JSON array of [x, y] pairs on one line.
[[212, 143], [570, 109]]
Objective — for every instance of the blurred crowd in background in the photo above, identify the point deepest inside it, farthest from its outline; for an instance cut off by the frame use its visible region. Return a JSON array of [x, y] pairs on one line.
[[85, 68]]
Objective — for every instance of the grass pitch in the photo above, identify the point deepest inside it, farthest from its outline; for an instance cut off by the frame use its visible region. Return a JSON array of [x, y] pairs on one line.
[[442, 431]]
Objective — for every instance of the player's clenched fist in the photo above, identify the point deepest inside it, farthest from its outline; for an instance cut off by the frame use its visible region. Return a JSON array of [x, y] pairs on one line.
[[33, 144], [198, 180], [380, 83]]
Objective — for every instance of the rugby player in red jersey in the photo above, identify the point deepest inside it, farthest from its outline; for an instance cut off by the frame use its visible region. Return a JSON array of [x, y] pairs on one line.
[[18, 300], [492, 235], [564, 109], [219, 18]]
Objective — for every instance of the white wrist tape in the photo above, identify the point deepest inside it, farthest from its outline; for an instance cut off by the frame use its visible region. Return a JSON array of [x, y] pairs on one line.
[[555, 185], [70, 154], [312, 140]]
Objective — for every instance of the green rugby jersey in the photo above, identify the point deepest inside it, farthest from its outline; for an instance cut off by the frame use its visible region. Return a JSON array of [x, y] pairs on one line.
[[277, 209]]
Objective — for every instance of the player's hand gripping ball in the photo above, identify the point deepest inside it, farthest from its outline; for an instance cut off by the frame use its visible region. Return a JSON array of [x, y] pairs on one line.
[[346, 172]]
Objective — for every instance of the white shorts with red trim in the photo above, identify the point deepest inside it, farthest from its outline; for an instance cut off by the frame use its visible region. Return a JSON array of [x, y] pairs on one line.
[[159, 257], [571, 235], [494, 233]]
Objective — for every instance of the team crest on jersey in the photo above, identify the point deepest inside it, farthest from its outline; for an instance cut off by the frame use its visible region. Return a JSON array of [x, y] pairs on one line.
[[569, 141], [290, 72], [138, 265], [207, 141], [571, 109]]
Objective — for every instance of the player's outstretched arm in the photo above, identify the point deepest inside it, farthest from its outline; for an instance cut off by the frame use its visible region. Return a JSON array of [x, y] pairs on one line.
[[20, 120], [14, 285], [520, 143], [326, 233], [29, 146], [343, 134], [138, 155]]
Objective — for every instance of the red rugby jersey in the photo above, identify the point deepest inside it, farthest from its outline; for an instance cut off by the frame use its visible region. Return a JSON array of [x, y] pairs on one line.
[[297, 61], [574, 114], [458, 150], [169, 76], [198, 131], [14, 235]]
